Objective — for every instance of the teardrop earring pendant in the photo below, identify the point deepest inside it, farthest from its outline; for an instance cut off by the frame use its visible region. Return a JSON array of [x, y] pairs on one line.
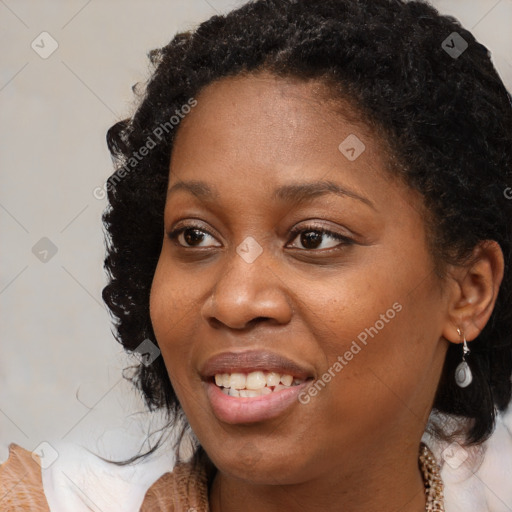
[[463, 375]]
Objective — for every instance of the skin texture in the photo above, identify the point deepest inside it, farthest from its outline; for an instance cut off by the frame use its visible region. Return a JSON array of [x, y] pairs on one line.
[[356, 442]]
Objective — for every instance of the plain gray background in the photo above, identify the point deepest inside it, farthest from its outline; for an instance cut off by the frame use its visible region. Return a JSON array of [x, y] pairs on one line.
[[60, 367]]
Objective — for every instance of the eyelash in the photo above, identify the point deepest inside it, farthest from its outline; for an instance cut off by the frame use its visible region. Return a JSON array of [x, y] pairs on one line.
[[344, 241]]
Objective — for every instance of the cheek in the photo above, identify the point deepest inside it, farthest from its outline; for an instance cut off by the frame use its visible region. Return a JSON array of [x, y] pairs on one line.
[[173, 311], [379, 331], [175, 297]]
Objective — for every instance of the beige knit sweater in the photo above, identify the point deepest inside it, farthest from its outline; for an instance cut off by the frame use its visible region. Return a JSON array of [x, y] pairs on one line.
[[21, 487]]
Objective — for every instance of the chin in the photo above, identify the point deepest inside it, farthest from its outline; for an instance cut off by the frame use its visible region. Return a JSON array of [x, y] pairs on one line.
[[263, 468]]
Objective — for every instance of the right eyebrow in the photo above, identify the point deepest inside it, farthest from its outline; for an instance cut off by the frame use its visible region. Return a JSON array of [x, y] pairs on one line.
[[200, 189]]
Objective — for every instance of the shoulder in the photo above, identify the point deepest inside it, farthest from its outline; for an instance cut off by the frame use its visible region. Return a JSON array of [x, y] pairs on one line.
[[21, 486], [182, 490]]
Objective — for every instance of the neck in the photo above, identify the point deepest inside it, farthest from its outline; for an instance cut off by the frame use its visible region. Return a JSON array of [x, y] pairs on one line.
[[383, 481]]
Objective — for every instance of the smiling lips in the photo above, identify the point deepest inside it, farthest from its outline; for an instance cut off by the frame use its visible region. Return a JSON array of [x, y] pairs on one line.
[[252, 386]]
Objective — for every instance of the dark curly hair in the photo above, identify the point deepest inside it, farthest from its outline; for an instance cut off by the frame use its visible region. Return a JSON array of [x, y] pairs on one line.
[[446, 119]]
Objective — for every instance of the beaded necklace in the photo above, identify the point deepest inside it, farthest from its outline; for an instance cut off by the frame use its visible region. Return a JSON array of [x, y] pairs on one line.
[[432, 480]]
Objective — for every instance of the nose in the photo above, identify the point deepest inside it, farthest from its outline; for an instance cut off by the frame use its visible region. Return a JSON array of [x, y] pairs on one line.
[[246, 293]]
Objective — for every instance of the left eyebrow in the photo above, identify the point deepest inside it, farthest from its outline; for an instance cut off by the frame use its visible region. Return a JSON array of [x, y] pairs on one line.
[[300, 192]]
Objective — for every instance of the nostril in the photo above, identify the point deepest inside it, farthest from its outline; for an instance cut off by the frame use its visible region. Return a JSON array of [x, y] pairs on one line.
[[259, 319], [216, 323]]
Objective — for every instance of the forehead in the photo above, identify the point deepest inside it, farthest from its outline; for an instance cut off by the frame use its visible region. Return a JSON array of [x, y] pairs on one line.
[[288, 106], [257, 131]]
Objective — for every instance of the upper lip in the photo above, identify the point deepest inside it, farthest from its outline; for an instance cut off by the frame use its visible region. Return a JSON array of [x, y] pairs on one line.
[[253, 360]]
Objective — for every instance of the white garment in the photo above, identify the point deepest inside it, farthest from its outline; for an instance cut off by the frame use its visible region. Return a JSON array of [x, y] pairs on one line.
[[478, 479], [475, 481], [81, 482]]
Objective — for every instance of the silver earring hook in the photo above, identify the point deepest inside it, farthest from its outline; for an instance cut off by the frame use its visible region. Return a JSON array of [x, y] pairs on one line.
[[465, 348], [463, 375]]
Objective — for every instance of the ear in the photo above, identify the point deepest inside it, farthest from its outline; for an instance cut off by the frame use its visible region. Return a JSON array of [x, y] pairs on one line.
[[473, 290]]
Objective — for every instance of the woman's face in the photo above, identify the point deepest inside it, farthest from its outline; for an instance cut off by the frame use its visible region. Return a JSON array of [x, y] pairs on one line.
[[252, 286]]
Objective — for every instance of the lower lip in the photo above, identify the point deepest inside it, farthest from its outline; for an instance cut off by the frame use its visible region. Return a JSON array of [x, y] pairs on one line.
[[233, 409]]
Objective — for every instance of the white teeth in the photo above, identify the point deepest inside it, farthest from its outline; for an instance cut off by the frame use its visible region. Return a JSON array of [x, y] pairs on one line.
[[255, 380], [286, 380], [273, 379], [237, 380], [254, 384], [249, 393]]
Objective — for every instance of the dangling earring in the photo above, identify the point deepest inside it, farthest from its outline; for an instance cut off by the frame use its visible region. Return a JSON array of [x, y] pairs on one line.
[[463, 375]]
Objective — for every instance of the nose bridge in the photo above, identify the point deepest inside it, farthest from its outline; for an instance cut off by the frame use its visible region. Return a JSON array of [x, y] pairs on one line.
[[247, 288]]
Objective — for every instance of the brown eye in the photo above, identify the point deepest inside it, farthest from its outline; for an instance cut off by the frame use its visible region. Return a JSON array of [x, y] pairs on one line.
[[193, 236], [190, 236], [313, 237]]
